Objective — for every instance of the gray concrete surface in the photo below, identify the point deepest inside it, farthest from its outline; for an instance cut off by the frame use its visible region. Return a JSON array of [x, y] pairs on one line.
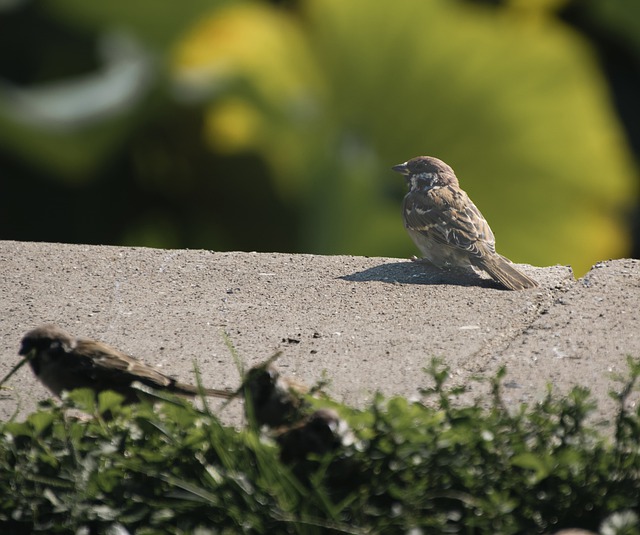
[[369, 323]]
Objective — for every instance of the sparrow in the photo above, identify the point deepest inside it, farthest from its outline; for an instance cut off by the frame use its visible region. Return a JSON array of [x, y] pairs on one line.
[[319, 433], [272, 400], [64, 363], [447, 227], [305, 445]]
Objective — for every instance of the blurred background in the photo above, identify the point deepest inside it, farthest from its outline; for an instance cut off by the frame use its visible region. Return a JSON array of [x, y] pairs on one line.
[[272, 126]]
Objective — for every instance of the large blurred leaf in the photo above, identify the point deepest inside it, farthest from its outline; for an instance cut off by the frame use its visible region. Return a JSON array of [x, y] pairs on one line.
[[331, 101], [268, 92]]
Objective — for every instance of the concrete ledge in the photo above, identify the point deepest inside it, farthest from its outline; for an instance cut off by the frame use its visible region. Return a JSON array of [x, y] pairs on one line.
[[371, 323]]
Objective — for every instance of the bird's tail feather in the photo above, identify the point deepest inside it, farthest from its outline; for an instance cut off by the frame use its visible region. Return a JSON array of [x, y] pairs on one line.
[[190, 391], [215, 393], [504, 272]]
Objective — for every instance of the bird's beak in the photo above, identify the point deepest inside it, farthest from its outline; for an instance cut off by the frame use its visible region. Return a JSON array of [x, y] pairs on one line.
[[27, 352], [401, 168]]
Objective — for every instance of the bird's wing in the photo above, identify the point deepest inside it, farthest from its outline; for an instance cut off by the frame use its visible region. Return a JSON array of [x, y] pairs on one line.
[[103, 362], [448, 215]]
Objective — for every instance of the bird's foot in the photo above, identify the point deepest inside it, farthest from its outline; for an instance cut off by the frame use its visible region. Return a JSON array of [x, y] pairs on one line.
[[422, 261]]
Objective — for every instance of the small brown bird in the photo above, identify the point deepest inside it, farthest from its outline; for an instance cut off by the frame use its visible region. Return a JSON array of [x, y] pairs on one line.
[[321, 432], [63, 363], [271, 399], [447, 227]]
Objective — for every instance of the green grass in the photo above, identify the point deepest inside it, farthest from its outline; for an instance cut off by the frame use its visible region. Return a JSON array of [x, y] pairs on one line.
[[411, 469]]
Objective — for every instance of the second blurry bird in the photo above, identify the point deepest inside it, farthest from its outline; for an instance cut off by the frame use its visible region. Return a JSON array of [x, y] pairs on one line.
[[272, 400], [64, 363]]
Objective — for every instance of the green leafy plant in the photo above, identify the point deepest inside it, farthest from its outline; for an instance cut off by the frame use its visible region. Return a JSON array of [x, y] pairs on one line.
[[431, 467]]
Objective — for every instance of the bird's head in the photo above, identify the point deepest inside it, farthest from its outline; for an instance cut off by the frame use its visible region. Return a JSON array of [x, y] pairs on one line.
[[49, 338], [262, 380], [426, 171]]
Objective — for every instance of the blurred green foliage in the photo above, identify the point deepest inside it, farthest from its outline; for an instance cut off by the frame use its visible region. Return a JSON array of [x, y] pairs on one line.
[[241, 125]]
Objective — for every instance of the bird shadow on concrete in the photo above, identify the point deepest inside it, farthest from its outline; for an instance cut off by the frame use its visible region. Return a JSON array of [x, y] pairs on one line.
[[420, 273]]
